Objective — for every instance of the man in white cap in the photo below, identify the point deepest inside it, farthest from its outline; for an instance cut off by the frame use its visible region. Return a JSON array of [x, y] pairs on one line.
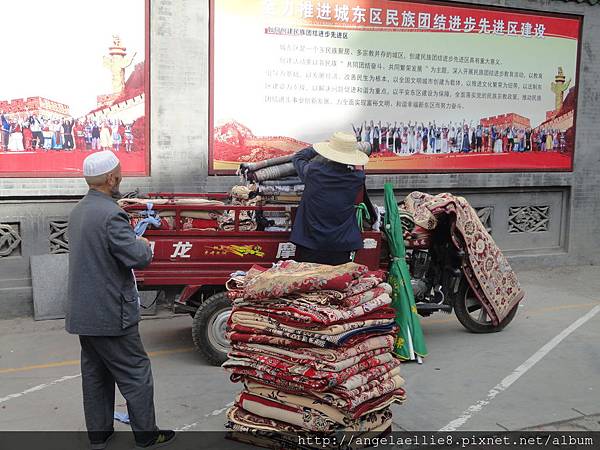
[[325, 229], [103, 308]]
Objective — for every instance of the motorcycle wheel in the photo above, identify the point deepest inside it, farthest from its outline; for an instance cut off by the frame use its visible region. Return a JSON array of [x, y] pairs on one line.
[[208, 328], [473, 316]]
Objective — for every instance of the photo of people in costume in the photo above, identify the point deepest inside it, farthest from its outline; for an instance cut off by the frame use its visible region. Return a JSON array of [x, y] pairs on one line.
[[433, 87], [97, 100], [412, 138], [84, 135]]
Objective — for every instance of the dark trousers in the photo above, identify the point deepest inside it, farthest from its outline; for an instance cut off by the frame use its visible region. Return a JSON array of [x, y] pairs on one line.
[[304, 254], [69, 141], [106, 360], [37, 135], [375, 145]]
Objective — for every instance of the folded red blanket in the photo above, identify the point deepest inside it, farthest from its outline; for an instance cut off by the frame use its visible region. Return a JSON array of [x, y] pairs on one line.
[[354, 405], [296, 317], [303, 355], [288, 277], [372, 404], [253, 335], [286, 381], [273, 364], [246, 334]]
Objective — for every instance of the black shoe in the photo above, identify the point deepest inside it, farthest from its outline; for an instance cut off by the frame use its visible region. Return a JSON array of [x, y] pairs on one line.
[[101, 444], [163, 438]]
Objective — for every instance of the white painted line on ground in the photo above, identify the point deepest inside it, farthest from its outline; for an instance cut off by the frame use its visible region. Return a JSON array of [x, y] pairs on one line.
[[519, 371], [38, 388], [216, 412]]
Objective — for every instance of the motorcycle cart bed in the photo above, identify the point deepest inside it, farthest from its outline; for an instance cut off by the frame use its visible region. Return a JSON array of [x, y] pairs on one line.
[[192, 266]]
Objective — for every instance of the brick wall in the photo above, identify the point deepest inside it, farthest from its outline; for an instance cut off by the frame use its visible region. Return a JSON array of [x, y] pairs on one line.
[[32, 104]]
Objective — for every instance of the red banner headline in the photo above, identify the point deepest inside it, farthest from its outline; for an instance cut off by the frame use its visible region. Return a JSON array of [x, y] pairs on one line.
[[425, 17]]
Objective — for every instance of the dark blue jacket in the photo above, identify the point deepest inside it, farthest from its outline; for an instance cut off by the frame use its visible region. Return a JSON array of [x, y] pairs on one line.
[[326, 217]]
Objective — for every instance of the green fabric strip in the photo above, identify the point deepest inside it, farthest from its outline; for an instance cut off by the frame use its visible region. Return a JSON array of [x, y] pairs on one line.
[[410, 339]]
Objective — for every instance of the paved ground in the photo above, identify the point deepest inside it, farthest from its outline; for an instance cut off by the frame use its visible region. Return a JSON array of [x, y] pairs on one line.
[[542, 372]]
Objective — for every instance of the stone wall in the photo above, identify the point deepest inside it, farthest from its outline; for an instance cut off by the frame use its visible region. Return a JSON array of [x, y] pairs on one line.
[[541, 219], [127, 111]]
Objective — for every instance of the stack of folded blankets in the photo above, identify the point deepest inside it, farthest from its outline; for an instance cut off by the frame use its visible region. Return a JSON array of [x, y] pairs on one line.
[[285, 190], [276, 183], [241, 196], [313, 345]]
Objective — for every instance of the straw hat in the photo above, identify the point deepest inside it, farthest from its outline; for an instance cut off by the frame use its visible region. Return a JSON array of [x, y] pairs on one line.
[[343, 148]]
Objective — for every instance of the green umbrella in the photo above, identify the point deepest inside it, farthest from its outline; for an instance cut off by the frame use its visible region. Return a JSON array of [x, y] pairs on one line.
[[410, 340]]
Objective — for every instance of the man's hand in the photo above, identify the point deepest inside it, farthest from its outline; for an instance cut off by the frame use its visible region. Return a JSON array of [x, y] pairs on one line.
[[142, 238]]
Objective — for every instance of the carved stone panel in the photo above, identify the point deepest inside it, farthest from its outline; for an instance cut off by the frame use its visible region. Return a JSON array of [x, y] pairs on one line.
[[528, 219], [59, 240], [10, 240], [485, 214]]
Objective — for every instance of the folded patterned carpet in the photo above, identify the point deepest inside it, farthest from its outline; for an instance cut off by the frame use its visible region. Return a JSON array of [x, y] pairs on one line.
[[332, 378], [489, 273], [328, 359], [277, 377], [334, 406], [313, 345], [302, 313], [240, 416], [353, 403], [357, 285], [370, 327], [309, 418], [288, 277], [240, 333]]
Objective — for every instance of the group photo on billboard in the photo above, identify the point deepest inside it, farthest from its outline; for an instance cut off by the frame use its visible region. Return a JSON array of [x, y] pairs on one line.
[[73, 89], [433, 87]]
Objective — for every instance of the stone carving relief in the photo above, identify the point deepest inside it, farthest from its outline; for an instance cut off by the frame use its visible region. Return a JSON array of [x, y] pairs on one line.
[[10, 240], [528, 219], [485, 214], [59, 241]]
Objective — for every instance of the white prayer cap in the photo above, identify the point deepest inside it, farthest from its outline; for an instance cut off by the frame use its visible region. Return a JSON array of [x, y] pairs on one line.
[[99, 163]]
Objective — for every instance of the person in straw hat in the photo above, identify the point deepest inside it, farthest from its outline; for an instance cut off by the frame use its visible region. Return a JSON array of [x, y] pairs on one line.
[[103, 308], [325, 229]]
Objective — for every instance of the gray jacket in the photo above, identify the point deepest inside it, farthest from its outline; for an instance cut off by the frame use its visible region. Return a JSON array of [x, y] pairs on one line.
[[103, 299]]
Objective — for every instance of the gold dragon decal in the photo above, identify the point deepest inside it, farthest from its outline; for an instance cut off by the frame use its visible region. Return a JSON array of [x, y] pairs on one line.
[[238, 250]]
